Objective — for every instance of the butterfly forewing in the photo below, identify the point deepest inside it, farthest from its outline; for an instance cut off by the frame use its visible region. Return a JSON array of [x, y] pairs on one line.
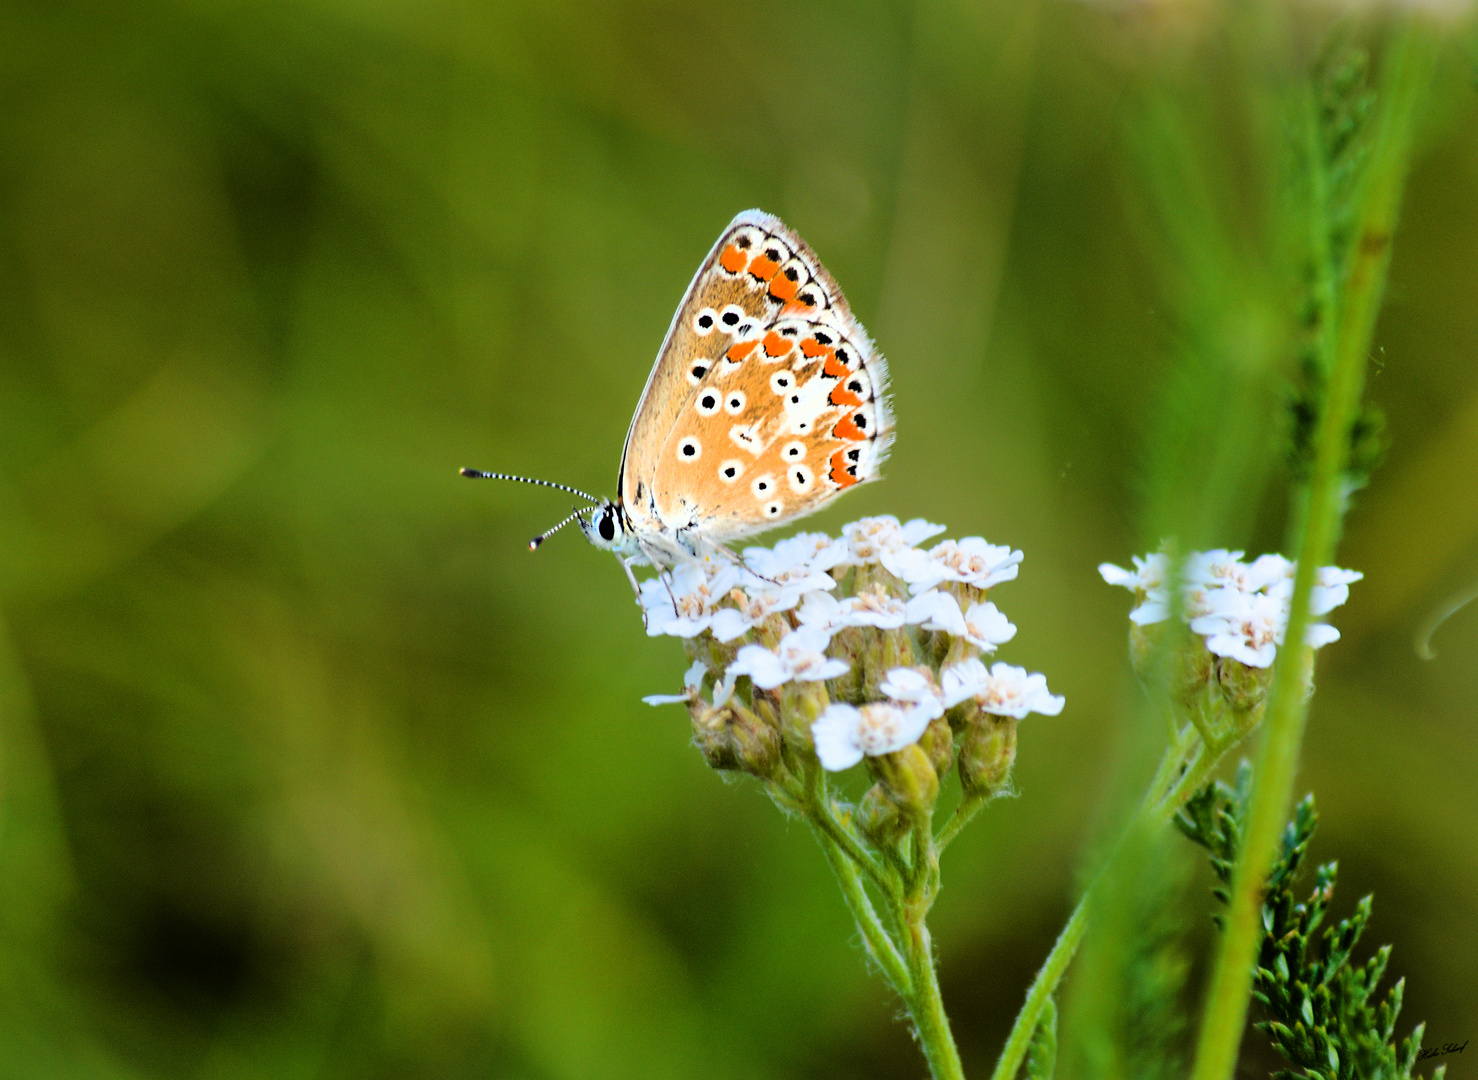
[[766, 401]]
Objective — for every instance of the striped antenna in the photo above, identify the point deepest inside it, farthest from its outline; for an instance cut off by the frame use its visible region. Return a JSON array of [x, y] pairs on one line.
[[478, 474], [536, 541]]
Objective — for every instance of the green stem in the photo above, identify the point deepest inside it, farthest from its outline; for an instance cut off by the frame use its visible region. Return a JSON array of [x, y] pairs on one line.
[[1043, 987], [879, 944], [968, 807], [1185, 766], [818, 803], [1272, 787], [926, 1006]]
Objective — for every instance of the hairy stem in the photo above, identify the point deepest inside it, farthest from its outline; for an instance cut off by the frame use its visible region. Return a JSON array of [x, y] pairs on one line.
[[1323, 511], [926, 1006], [880, 944]]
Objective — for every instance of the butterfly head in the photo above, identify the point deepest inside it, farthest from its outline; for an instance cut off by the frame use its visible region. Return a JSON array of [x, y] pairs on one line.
[[604, 525]]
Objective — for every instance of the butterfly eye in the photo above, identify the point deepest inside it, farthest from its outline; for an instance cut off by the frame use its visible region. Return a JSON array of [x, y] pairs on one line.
[[735, 402], [707, 403], [730, 470], [689, 449], [781, 381], [794, 451], [607, 526], [705, 321], [731, 316]]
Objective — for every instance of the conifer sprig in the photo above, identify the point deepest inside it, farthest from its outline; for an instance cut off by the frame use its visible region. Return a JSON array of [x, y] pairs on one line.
[[1324, 1016]]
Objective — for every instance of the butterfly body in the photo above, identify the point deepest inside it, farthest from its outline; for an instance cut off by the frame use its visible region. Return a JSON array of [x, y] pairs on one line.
[[766, 401]]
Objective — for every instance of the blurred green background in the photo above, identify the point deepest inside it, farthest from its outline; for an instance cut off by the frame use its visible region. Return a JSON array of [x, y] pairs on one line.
[[311, 770]]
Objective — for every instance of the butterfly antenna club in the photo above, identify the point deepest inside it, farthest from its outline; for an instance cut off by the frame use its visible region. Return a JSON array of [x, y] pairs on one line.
[[536, 541], [478, 474]]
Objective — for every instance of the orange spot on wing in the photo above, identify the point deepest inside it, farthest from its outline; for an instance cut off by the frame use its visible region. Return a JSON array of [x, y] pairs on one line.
[[811, 347], [842, 396], [782, 288], [763, 268], [732, 259], [775, 345], [839, 474], [740, 349], [834, 368], [846, 429]]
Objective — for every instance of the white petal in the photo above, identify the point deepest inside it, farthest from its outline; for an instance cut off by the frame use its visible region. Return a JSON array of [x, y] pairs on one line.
[[835, 735], [963, 680], [693, 677], [946, 616], [728, 624], [906, 684], [988, 625], [921, 608], [1320, 634], [918, 530], [819, 608], [1117, 575], [665, 699], [1151, 611], [761, 665]]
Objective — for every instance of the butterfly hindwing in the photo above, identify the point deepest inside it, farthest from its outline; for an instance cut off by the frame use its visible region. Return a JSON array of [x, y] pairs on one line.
[[766, 401]]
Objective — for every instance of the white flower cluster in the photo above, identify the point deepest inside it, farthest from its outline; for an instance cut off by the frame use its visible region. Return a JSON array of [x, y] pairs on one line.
[[787, 595], [1241, 609]]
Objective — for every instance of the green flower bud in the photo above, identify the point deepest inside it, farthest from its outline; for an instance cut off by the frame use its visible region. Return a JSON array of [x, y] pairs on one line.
[[909, 778], [801, 706], [879, 817], [987, 751], [939, 744], [734, 739], [1244, 688]]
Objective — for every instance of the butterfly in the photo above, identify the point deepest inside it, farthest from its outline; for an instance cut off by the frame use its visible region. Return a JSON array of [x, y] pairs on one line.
[[767, 401]]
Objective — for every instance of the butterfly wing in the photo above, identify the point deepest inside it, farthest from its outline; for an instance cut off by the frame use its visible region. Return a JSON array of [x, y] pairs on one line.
[[767, 400]]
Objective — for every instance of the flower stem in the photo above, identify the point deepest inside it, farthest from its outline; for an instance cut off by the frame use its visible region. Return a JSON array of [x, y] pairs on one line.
[[879, 944], [1323, 510], [1184, 768], [926, 1006], [968, 807]]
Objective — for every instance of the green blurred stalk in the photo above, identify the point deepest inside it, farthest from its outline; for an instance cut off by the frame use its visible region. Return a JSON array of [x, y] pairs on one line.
[[1186, 765], [1358, 303]]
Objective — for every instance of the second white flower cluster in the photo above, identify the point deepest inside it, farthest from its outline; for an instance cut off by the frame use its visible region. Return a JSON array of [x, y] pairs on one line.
[[1240, 608]]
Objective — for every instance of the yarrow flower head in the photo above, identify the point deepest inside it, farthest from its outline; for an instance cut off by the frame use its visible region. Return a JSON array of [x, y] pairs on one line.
[[1240, 609], [838, 648]]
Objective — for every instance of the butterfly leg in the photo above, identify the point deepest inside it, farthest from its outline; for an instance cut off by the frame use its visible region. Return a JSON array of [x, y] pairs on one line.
[[662, 576], [738, 560], [625, 561]]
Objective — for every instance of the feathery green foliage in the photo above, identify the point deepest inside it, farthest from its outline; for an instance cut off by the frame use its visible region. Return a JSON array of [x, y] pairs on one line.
[[1330, 162], [1324, 1016]]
